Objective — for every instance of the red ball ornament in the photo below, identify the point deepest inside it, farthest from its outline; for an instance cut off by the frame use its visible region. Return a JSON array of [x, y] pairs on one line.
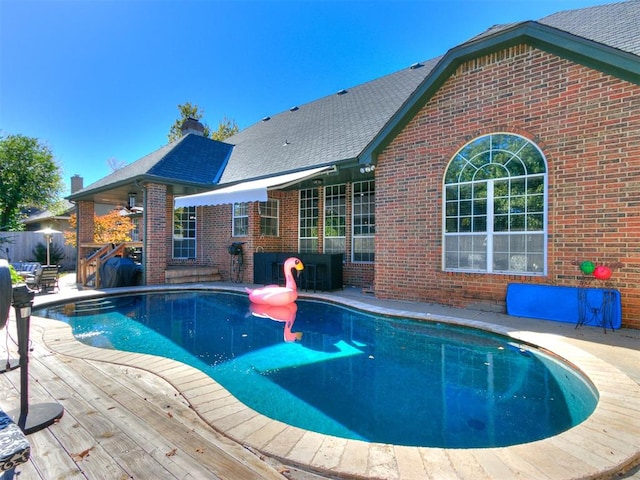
[[602, 273]]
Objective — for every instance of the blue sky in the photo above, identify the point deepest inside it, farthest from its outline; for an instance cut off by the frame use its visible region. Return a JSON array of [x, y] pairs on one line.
[[99, 80]]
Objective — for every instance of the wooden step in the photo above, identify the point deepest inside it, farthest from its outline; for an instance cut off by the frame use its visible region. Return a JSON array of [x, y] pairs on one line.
[[192, 274]]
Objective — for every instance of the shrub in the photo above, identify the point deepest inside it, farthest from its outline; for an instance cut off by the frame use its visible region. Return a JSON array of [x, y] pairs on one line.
[[56, 254], [15, 278]]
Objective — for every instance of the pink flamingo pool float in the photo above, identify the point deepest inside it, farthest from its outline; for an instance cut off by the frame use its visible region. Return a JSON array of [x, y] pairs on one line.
[[279, 313], [275, 294]]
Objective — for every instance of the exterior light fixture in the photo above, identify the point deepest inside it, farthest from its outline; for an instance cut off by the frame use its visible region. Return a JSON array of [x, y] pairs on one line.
[[48, 235], [132, 199]]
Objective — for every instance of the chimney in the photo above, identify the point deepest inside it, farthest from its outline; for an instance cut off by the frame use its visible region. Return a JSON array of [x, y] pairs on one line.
[[191, 125], [77, 183]]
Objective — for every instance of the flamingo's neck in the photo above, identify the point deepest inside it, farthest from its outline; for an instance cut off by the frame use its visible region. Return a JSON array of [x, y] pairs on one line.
[[290, 281]]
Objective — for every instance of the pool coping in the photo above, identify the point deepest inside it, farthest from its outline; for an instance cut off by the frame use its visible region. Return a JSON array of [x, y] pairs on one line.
[[605, 444]]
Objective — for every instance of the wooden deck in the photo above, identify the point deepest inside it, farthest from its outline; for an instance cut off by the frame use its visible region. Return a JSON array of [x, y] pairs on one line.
[[119, 423]]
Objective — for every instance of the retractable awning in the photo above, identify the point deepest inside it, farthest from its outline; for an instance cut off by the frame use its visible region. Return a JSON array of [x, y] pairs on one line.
[[252, 191]]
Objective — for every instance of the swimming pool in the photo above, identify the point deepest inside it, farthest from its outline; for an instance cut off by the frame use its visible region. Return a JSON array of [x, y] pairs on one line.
[[351, 374]]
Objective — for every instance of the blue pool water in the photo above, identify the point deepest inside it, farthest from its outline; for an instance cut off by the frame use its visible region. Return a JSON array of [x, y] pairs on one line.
[[346, 373]]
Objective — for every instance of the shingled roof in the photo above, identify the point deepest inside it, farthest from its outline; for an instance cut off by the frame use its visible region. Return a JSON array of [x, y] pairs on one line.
[[329, 130], [615, 25], [344, 126], [355, 123], [576, 35], [192, 160]]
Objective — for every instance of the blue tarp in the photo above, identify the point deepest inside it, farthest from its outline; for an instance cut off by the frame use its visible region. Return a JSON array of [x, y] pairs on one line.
[[564, 304]]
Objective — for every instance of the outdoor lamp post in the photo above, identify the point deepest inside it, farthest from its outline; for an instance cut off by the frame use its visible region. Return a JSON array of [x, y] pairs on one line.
[[35, 417], [48, 236]]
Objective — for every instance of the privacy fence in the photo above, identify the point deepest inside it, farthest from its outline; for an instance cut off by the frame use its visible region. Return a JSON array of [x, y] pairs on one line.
[[21, 247]]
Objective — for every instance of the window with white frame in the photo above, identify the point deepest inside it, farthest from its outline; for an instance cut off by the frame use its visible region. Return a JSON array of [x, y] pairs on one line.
[[240, 220], [269, 218], [184, 232], [364, 221], [495, 207], [135, 229], [335, 218], [308, 218]]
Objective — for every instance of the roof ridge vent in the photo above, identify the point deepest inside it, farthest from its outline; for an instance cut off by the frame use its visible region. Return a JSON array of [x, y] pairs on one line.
[[266, 119], [293, 109], [341, 92], [416, 65]]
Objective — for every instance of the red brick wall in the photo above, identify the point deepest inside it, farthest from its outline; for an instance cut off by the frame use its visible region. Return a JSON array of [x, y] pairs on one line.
[[220, 227], [85, 228], [356, 274], [158, 214], [212, 224], [588, 126], [215, 233]]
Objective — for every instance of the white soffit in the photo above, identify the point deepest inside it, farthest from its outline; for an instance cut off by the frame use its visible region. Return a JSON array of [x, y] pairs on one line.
[[252, 191]]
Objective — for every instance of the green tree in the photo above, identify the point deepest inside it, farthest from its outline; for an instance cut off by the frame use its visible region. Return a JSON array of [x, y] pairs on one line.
[[187, 110], [29, 177], [226, 127], [109, 228]]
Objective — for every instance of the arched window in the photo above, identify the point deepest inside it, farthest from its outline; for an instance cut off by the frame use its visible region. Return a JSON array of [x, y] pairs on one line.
[[495, 207]]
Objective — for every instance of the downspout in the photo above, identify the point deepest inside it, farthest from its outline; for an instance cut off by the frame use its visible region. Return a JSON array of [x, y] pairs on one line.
[[144, 234]]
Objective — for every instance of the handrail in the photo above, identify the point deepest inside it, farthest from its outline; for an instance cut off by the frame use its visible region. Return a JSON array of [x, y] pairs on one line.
[[95, 260], [92, 261], [117, 250]]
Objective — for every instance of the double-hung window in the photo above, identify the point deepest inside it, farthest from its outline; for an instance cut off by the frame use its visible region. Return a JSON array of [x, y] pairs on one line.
[[335, 218], [308, 218], [184, 232], [269, 218], [495, 207], [240, 219], [135, 229], [364, 221]]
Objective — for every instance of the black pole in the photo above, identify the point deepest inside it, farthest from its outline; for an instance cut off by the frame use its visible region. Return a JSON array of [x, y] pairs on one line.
[[41, 415], [22, 325]]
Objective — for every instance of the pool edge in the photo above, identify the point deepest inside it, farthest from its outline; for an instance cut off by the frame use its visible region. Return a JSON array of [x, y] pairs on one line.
[[603, 445]]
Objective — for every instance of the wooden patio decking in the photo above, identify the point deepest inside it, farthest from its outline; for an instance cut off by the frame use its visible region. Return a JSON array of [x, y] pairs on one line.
[[119, 423]]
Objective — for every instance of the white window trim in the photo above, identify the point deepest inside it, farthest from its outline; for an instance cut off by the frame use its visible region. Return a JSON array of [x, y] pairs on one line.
[[234, 217], [353, 223], [277, 217], [490, 234], [324, 220], [195, 237], [301, 238]]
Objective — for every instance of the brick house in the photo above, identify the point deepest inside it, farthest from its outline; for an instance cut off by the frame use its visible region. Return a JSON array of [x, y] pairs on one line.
[[509, 159]]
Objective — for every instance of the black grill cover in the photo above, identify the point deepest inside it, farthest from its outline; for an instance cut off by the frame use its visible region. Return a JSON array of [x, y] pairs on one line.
[[119, 272]]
